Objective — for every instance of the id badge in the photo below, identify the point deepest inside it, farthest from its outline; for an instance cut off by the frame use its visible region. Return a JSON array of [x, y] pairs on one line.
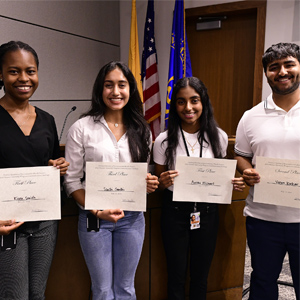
[[195, 220]]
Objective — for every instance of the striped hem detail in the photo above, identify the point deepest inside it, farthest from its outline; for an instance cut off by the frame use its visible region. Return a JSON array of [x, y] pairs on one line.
[[242, 153]]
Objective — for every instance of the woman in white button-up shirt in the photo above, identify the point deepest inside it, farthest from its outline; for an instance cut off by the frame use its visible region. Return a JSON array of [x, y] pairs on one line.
[[113, 130]]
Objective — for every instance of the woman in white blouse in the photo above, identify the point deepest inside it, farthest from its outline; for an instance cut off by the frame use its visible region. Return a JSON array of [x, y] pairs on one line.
[[113, 130]]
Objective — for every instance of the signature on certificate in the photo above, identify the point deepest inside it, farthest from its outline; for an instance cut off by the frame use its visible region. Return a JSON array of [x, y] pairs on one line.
[[20, 199], [23, 182], [203, 183], [116, 189], [287, 183]]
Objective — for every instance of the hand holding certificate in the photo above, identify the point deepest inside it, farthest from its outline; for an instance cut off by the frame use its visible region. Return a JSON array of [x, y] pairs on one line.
[[116, 185], [204, 180], [30, 194], [279, 182]]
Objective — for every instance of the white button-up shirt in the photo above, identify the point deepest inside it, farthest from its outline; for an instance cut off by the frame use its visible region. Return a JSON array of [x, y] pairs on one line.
[[88, 140]]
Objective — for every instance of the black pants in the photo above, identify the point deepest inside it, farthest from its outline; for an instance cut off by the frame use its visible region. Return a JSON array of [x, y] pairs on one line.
[[24, 270], [181, 243], [268, 243]]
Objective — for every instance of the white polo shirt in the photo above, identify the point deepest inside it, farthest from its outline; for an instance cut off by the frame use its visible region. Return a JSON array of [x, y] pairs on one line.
[[268, 130]]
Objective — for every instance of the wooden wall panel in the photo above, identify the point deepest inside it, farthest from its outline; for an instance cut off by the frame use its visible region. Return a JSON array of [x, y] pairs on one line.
[[69, 278], [230, 294], [227, 268], [142, 278], [158, 260]]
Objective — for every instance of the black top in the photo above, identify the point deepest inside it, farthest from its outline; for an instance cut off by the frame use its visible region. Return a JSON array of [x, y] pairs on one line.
[[18, 150]]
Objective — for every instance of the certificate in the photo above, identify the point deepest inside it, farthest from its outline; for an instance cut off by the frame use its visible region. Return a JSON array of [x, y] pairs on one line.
[[279, 182], [116, 185], [30, 194], [204, 180]]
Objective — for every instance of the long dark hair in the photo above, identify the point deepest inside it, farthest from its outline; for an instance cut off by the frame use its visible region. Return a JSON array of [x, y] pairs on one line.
[[207, 122], [136, 126], [14, 46]]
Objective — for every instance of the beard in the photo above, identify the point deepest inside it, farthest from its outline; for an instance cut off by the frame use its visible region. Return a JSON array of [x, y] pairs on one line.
[[286, 91]]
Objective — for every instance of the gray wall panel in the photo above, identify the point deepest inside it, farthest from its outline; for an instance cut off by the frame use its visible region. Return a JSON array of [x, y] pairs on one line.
[[94, 19], [68, 64], [59, 111], [73, 39]]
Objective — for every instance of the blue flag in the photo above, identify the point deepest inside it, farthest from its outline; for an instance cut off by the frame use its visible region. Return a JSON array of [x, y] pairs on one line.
[[180, 62]]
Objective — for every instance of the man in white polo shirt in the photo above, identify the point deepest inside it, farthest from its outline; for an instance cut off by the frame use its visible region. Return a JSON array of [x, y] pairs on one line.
[[272, 129]]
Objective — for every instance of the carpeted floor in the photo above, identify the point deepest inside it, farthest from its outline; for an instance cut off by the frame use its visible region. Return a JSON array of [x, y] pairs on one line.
[[285, 292]]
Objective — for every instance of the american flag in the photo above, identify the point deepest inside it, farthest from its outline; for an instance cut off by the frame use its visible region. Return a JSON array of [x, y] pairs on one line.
[[150, 81]]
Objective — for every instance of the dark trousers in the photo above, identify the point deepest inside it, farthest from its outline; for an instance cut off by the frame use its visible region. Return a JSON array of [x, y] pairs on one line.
[[181, 243], [24, 270], [268, 243]]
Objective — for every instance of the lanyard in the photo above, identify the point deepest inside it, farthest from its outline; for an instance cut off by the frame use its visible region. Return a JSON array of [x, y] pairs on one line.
[[186, 148], [188, 154]]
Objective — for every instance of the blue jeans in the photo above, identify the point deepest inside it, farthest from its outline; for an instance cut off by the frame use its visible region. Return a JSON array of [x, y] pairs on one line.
[[112, 255], [268, 243]]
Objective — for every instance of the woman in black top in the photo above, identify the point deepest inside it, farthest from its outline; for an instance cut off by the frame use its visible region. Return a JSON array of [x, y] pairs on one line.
[[28, 138]]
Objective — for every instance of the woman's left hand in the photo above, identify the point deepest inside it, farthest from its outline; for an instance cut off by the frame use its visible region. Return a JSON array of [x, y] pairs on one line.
[[111, 215], [60, 164], [7, 226], [152, 183], [238, 184]]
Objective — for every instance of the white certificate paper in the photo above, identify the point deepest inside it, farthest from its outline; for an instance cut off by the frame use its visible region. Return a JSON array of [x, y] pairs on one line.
[[30, 194], [279, 182], [116, 185], [204, 180]]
